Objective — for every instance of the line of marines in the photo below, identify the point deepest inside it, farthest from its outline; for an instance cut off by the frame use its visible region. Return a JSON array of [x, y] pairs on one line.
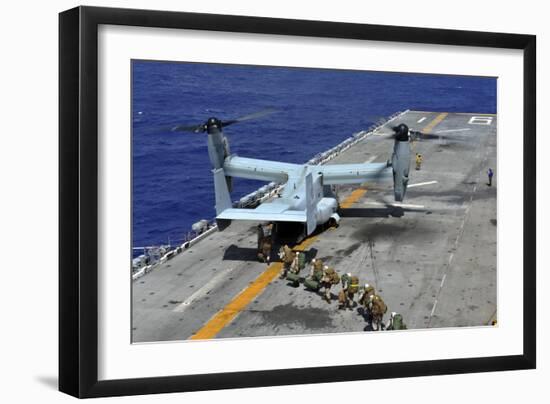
[[322, 278]]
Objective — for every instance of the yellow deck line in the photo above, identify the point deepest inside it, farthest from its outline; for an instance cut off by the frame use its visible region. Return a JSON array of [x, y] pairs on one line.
[[437, 120], [235, 306], [354, 197]]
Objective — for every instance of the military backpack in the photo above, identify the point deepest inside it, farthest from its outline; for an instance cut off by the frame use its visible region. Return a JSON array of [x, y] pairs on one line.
[[397, 322], [302, 261]]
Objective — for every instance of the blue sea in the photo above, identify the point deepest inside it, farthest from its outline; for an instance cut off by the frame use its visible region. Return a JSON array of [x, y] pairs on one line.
[[172, 185]]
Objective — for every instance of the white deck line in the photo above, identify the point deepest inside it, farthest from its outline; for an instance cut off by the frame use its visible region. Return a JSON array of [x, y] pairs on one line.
[[422, 183], [209, 286], [370, 160], [451, 130]]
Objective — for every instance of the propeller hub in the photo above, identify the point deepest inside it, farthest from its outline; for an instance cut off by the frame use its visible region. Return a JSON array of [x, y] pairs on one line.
[[213, 125], [401, 132]]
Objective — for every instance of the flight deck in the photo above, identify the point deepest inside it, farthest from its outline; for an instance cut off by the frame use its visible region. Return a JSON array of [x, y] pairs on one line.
[[432, 257]]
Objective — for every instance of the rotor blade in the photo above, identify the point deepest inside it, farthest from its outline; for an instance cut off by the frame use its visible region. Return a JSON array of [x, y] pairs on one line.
[[451, 131], [451, 135], [188, 128], [255, 115], [386, 134]]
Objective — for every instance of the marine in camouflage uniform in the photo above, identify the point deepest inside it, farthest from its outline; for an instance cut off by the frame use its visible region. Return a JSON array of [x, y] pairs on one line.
[[330, 277], [316, 271], [265, 243], [287, 256], [316, 268], [350, 286], [364, 300], [293, 273], [378, 308], [313, 281], [368, 291], [298, 262]]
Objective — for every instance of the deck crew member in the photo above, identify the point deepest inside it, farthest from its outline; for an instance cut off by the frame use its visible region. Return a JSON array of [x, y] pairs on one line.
[[490, 176], [419, 160]]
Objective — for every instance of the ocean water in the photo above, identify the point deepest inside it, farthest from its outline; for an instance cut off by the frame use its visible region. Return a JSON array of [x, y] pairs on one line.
[[172, 185]]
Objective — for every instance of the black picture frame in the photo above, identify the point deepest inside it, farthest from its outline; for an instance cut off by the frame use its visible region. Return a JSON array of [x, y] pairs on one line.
[[78, 200]]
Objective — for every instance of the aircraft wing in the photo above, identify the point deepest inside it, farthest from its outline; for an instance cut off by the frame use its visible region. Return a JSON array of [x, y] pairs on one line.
[[335, 174], [253, 214], [255, 169], [271, 212]]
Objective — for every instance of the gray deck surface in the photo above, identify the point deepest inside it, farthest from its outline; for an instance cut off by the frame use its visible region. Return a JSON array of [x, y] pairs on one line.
[[436, 265]]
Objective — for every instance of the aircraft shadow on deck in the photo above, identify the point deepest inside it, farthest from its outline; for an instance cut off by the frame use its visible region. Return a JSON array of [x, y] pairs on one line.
[[389, 211], [236, 253]]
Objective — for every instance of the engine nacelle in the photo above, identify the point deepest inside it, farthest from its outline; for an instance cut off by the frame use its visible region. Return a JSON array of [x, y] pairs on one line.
[[326, 208], [401, 161]]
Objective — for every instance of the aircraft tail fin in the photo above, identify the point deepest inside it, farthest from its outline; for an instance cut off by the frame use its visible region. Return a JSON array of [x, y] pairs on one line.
[[223, 198], [310, 204]]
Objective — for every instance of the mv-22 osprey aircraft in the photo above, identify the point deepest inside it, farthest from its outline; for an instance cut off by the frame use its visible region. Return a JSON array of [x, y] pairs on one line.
[[307, 198]]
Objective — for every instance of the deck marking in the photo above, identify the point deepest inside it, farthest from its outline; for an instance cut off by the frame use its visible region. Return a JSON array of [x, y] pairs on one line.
[[235, 306], [202, 291], [460, 233], [396, 205], [452, 130], [480, 120], [370, 160], [421, 119], [433, 308], [422, 183], [354, 197], [437, 120]]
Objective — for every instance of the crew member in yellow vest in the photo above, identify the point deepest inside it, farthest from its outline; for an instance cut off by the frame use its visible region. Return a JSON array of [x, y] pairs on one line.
[[419, 160]]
